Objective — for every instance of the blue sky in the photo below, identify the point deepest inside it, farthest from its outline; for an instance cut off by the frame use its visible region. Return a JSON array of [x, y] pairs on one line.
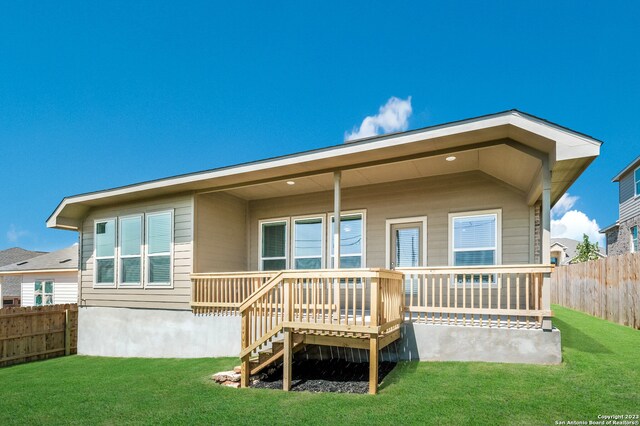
[[99, 94]]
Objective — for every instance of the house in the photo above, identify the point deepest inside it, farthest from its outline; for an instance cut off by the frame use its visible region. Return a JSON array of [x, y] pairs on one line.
[[622, 236], [10, 285], [47, 279], [564, 250], [430, 244]]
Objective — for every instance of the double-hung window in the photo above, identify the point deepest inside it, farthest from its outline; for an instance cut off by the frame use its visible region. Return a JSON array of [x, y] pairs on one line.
[[475, 240], [634, 239], [636, 181], [43, 293], [307, 242], [273, 245], [130, 245], [351, 240], [105, 247], [159, 241]]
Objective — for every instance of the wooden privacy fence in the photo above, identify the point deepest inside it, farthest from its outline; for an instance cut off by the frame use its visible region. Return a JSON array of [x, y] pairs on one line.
[[38, 332], [608, 288]]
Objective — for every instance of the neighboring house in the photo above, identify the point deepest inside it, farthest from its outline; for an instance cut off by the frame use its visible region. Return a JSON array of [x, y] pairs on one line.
[[622, 236], [47, 279], [564, 250], [460, 210], [10, 285]]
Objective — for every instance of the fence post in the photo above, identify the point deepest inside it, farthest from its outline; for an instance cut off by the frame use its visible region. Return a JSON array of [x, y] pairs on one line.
[[67, 332]]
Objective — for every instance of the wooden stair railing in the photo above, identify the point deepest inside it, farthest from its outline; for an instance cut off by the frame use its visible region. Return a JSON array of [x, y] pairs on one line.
[[319, 305]]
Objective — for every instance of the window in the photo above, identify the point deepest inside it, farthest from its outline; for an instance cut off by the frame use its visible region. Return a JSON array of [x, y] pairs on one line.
[[273, 245], [308, 242], [554, 260], [159, 244], [634, 239], [105, 243], [130, 246], [636, 180], [474, 239], [351, 240], [43, 293]]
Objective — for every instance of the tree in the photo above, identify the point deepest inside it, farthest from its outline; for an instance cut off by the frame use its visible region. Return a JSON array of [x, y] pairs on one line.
[[586, 250]]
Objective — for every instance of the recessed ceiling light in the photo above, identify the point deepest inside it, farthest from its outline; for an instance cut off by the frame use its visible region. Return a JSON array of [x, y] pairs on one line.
[[290, 182], [451, 158]]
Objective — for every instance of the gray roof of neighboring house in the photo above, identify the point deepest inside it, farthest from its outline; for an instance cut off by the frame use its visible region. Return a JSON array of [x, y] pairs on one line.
[[17, 254], [66, 258], [624, 171], [570, 246]]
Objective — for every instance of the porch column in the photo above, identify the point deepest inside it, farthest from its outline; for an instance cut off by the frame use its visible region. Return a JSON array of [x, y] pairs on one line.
[[546, 240], [337, 177]]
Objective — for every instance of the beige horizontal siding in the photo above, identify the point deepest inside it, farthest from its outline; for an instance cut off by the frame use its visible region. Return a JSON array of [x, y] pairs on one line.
[[434, 197], [177, 297], [221, 242]]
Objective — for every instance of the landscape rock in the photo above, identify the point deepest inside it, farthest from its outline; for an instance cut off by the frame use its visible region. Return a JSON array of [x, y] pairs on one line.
[[237, 369], [226, 376]]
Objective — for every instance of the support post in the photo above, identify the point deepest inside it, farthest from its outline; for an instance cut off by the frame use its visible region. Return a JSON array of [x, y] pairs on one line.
[[288, 358], [245, 369], [546, 240], [373, 364], [337, 177], [67, 332]]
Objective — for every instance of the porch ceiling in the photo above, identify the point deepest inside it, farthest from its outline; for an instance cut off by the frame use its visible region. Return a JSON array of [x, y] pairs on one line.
[[501, 161]]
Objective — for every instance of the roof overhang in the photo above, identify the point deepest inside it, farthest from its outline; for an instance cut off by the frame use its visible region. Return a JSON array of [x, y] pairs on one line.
[[569, 154], [632, 166], [38, 271]]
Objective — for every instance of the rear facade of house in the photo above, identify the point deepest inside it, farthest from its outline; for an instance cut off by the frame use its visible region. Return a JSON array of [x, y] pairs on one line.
[[442, 248], [622, 236]]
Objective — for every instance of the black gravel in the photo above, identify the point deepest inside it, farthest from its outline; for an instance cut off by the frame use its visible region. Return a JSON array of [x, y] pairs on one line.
[[334, 375]]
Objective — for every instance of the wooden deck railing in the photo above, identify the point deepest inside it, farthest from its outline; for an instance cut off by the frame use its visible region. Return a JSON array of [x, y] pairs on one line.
[[497, 295], [338, 303], [224, 292]]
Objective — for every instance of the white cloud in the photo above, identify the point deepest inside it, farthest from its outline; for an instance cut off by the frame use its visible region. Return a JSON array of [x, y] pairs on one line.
[[564, 204], [14, 233], [573, 224], [392, 117]]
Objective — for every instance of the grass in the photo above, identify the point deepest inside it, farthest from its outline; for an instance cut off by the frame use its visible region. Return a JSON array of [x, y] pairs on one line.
[[600, 375]]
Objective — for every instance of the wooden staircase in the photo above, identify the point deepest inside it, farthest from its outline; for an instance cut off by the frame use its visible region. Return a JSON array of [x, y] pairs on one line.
[[356, 308]]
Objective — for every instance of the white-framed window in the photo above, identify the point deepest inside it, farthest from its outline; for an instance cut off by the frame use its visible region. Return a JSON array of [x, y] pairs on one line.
[[130, 251], [636, 181], [634, 239], [273, 247], [307, 242], [475, 240], [159, 249], [352, 239], [104, 252], [43, 293]]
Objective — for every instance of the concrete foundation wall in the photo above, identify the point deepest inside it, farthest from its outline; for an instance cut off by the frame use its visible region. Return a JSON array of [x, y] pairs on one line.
[[427, 342], [151, 333], [155, 333]]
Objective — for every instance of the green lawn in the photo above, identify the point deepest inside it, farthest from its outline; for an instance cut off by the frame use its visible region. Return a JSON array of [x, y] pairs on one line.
[[600, 375]]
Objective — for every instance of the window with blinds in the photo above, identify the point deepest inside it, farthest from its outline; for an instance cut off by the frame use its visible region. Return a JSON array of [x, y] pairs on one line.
[[307, 243], [407, 247], [475, 240], [159, 243], [105, 247], [130, 238], [273, 251]]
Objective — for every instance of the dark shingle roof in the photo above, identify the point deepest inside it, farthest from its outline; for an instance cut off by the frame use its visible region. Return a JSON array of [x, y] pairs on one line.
[[66, 258], [17, 254]]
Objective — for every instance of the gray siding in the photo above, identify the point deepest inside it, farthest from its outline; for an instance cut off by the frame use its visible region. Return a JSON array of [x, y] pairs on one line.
[[629, 204], [177, 297]]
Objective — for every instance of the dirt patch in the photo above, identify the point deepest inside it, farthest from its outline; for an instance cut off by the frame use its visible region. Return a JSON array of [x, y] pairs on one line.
[[334, 375]]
